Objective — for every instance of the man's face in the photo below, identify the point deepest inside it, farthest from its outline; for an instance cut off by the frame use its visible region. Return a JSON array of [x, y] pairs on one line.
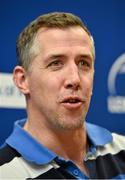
[[61, 78]]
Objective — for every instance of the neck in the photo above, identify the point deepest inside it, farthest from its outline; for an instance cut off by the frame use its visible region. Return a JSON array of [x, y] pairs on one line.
[[69, 144]]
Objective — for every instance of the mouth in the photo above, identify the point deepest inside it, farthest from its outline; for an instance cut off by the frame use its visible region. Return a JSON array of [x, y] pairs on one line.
[[72, 102]]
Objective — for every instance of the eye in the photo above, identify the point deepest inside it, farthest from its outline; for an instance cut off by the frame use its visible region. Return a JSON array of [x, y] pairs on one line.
[[56, 64], [84, 64]]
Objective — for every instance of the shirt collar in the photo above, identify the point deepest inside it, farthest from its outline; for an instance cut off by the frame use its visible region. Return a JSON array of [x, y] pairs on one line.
[[33, 151], [98, 136], [27, 146]]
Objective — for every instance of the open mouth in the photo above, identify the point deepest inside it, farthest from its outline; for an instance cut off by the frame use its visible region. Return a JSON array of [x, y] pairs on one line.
[[72, 103]]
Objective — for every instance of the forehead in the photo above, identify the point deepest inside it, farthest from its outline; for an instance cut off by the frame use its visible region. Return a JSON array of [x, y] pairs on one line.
[[55, 39], [68, 33]]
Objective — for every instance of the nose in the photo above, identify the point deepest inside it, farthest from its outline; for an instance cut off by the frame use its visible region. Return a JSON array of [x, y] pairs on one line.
[[72, 80]]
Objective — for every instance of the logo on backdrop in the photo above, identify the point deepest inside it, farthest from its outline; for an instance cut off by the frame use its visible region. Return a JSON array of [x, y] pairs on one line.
[[10, 96], [116, 86]]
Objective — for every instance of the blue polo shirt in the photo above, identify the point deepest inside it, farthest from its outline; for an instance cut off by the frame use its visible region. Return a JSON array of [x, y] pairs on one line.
[[31, 150]]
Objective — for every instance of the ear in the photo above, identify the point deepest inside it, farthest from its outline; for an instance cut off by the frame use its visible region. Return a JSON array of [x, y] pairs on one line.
[[20, 79]]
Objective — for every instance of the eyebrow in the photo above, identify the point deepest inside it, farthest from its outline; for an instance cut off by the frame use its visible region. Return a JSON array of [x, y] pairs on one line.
[[55, 56], [86, 56]]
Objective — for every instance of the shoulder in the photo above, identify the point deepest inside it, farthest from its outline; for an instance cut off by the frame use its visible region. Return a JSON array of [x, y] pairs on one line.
[[7, 154], [118, 141], [9, 162], [118, 137], [106, 142], [115, 148]]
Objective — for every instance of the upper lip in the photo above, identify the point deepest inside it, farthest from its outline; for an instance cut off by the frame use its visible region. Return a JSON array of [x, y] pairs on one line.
[[72, 98]]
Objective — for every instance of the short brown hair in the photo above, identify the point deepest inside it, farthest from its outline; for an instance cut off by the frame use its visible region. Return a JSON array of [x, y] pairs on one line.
[[25, 40]]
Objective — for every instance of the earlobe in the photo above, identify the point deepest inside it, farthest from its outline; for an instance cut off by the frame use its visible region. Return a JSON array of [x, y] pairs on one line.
[[20, 79]]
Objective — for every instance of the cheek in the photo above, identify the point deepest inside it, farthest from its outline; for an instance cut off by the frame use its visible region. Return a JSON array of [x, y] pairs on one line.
[[88, 86], [35, 85], [49, 86]]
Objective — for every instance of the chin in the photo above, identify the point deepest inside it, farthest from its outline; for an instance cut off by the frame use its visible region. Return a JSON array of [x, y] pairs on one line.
[[71, 125]]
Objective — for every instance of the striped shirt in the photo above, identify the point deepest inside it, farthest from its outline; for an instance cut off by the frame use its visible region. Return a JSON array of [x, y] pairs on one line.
[[22, 157]]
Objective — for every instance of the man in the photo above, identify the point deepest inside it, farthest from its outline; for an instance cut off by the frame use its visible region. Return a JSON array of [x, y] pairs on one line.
[[55, 73]]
